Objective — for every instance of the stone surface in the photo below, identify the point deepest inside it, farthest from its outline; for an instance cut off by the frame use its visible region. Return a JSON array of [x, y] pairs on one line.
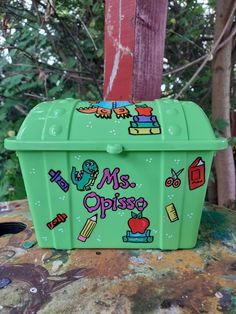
[[202, 280], [4, 282]]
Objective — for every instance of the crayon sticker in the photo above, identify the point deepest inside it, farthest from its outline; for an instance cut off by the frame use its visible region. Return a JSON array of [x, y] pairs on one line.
[[88, 228], [196, 173], [172, 212], [56, 221], [59, 180], [144, 123], [139, 232]]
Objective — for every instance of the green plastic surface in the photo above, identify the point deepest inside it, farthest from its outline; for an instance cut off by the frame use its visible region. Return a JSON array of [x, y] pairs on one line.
[[112, 175]]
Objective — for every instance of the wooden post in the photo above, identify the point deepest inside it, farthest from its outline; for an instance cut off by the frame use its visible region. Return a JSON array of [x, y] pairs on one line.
[[224, 161], [134, 49]]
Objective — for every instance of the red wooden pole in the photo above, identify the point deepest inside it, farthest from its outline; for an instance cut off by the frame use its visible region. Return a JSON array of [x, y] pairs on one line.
[[134, 49]]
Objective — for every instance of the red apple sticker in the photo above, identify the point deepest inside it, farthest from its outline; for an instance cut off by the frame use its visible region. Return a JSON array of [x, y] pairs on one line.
[[144, 110], [138, 223]]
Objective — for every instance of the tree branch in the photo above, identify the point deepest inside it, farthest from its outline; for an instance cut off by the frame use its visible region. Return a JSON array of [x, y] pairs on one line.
[[185, 39], [213, 50], [183, 67], [87, 31], [86, 65], [79, 53], [21, 110], [36, 96]]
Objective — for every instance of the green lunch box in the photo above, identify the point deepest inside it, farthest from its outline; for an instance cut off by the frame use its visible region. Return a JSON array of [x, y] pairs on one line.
[[116, 174]]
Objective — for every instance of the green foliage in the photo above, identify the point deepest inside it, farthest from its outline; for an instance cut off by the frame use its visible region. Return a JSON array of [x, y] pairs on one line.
[[48, 53], [232, 141], [45, 54], [221, 124], [190, 29]]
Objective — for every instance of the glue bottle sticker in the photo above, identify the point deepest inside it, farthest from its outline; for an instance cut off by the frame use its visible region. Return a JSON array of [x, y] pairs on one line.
[[196, 173]]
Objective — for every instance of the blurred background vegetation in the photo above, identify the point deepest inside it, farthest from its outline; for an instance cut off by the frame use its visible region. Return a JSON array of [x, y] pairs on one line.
[[56, 51]]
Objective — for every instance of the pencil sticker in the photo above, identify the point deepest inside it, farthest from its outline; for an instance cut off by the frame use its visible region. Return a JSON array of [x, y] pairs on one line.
[[88, 228], [196, 173]]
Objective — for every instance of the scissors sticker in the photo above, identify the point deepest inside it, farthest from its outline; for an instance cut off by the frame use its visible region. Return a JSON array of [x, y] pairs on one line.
[[174, 179]]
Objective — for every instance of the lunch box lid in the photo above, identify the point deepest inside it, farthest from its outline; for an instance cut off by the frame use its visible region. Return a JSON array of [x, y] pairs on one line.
[[74, 125]]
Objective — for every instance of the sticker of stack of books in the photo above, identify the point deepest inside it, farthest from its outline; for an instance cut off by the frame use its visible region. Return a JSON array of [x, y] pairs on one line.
[[139, 231], [144, 123]]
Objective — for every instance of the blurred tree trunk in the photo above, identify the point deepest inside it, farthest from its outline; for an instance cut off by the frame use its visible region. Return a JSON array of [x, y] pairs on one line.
[[224, 162], [212, 188]]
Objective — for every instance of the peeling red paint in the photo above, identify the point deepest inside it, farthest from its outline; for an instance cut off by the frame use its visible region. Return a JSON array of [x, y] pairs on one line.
[[119, 49], [134, 49]]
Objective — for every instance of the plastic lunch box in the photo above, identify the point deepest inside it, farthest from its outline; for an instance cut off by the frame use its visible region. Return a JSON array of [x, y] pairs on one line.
[[115, 174]]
